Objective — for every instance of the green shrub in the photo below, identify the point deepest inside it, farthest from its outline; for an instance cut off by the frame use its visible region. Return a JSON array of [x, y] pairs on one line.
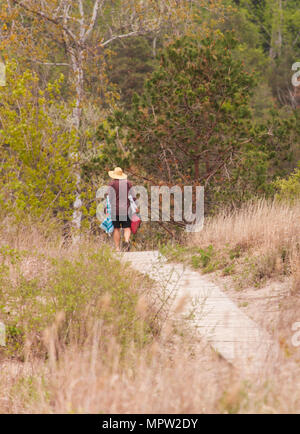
[[87, 287], [206, 255], [289, 189], [36, 148]]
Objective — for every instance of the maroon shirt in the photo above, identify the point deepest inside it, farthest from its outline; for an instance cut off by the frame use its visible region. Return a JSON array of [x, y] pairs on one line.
[[119, 201]]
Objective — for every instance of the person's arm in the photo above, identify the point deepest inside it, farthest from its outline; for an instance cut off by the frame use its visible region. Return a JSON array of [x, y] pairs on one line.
[[131, 191]]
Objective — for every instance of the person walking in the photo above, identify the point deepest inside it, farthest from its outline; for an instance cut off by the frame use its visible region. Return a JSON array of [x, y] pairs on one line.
[[120, 206]]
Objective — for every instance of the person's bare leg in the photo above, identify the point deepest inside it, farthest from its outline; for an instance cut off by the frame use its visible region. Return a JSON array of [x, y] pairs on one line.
[[117, 237], [127, 233]]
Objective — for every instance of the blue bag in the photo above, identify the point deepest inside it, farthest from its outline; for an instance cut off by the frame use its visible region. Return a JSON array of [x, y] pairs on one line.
[[107, 224]]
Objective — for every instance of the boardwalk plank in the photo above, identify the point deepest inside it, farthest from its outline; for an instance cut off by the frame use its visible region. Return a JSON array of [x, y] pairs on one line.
[[213, 315]]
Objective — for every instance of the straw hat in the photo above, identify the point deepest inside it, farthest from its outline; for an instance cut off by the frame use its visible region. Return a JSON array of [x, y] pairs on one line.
[[117, 173]]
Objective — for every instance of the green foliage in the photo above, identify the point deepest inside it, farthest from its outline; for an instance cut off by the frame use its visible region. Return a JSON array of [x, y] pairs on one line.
[[36, 148], [174, 252], [205, 257], [268, 31], [191, 117], [289, 189], [268, 153], [130, 65], [193, 125]]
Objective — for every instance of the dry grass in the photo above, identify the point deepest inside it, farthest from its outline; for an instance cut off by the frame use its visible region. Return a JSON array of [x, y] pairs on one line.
[[267, 231], [169, 376], [295, 264], [172, 373], [95, 375], [97, 380], [267, 235], [259, 224]]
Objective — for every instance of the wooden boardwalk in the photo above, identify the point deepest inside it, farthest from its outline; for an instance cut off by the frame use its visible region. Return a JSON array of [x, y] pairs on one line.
[[213, 315]]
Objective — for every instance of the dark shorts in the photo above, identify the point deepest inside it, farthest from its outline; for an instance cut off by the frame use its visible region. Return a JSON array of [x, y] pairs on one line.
[[121, 222]]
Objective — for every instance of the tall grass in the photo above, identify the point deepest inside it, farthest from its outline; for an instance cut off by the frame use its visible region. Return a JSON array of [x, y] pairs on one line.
[[97, 349], [169, 376], [41, 281], [95, 379], [267, 230], [258, 224], [83, 335]]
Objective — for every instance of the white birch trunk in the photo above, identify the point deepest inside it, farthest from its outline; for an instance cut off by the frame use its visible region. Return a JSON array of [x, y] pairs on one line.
[[77, 67]]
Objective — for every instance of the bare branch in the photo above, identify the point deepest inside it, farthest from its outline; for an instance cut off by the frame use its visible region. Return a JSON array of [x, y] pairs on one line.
[[49, 63], [127, 35], [97, 5], [81, 21], [47, 18], [56, 11]]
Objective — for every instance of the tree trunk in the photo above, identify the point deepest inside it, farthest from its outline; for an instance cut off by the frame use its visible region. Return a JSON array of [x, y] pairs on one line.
[[77, 66], [277, 22], [196, 168]]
